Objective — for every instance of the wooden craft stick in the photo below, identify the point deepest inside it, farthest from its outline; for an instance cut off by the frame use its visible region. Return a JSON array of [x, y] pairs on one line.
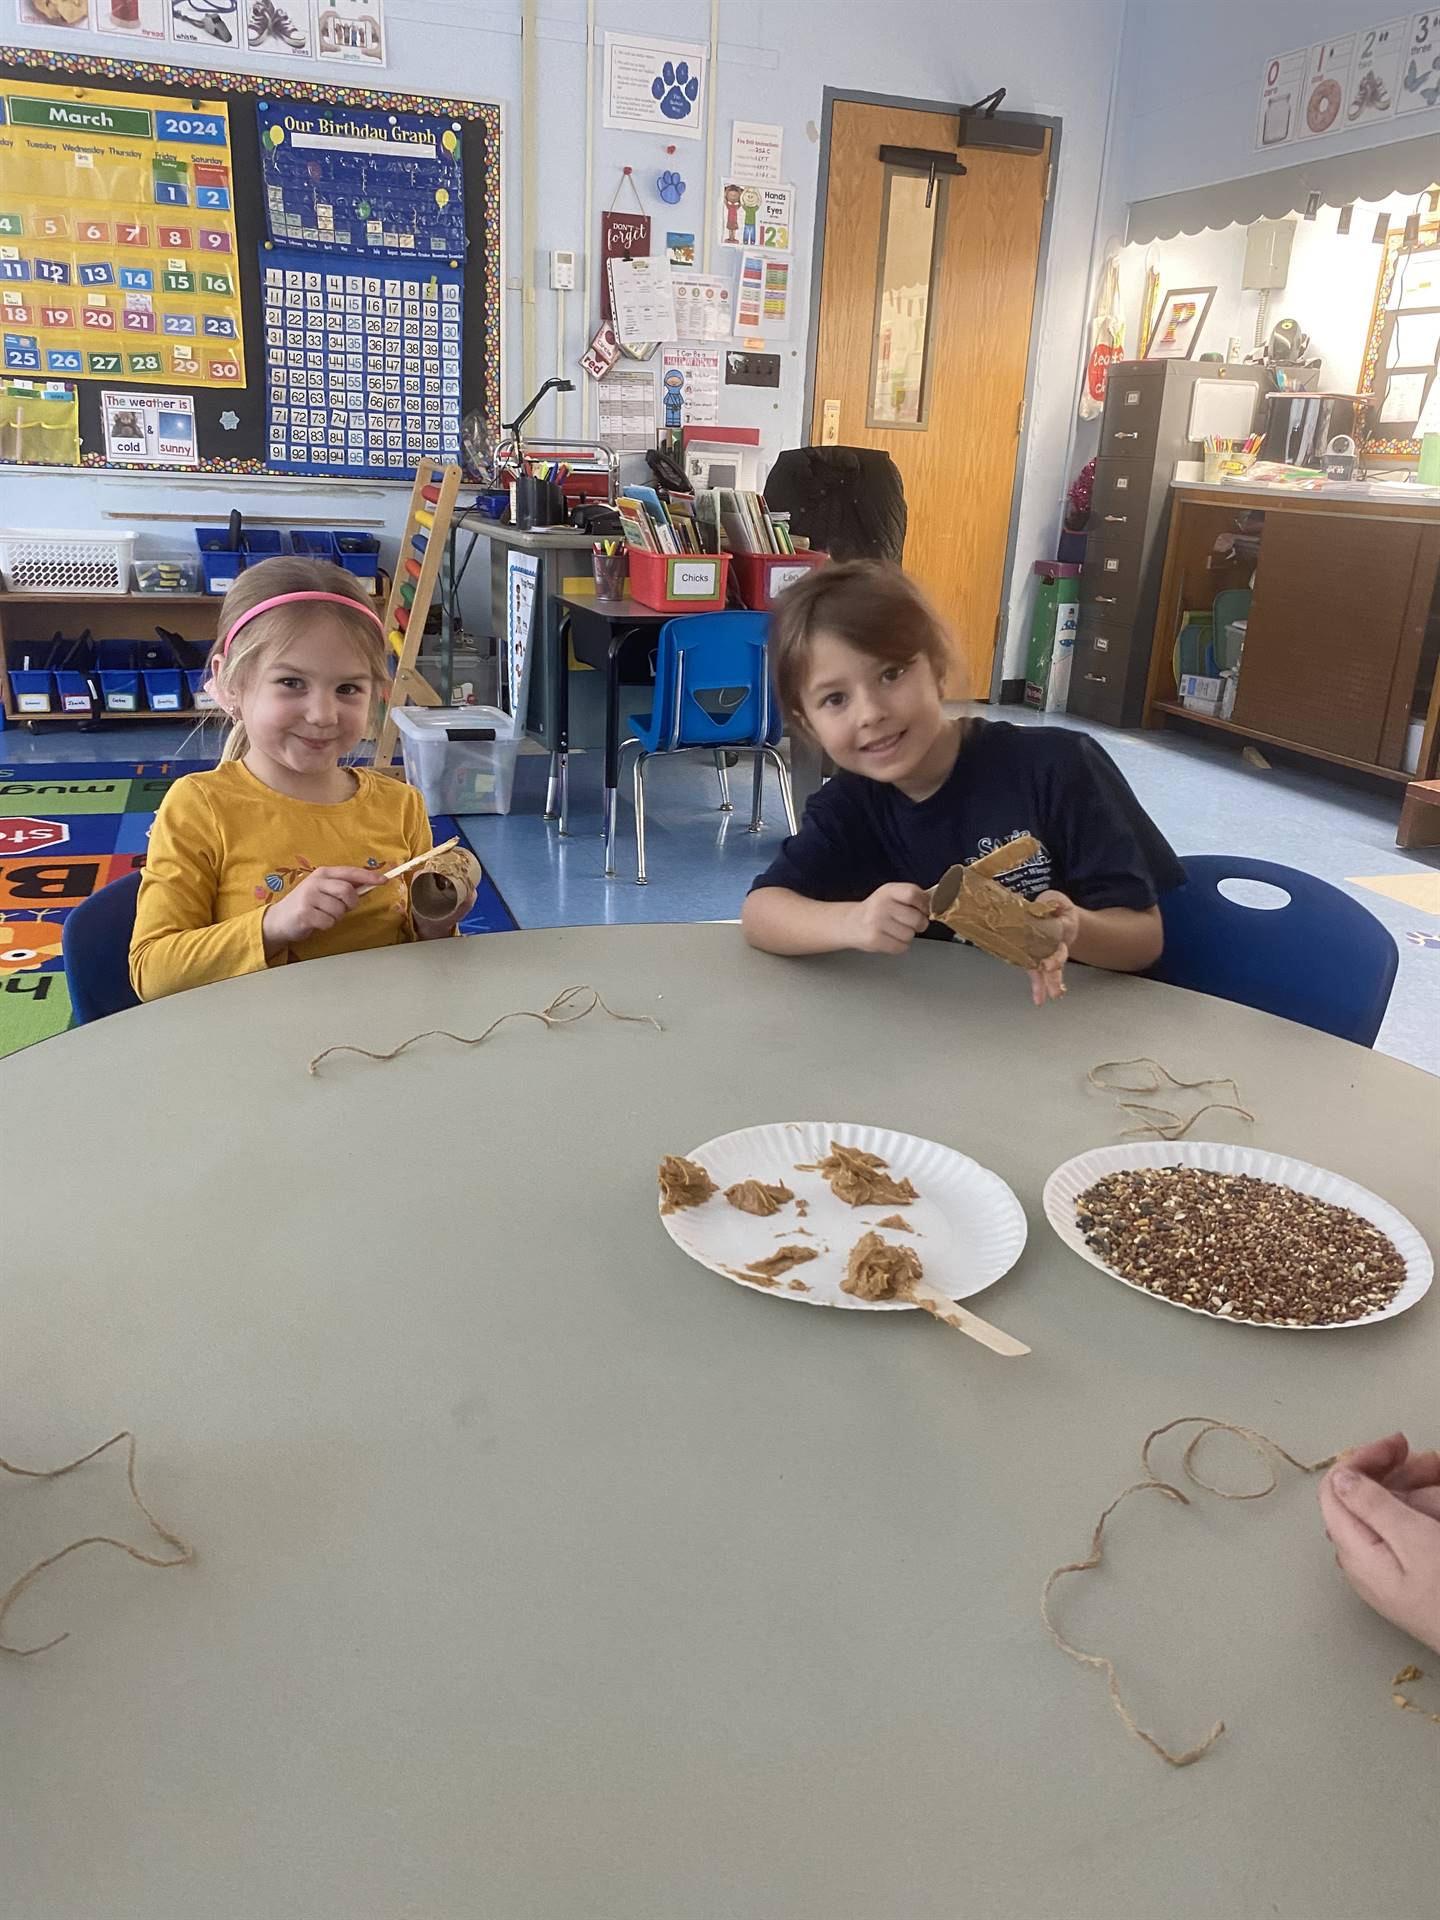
[[420, 858], [954, 1315]]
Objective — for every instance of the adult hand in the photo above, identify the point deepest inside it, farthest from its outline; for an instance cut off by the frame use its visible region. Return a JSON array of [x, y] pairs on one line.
[[322, 899], [890, 919], [1387, 1547], [1047, 981]]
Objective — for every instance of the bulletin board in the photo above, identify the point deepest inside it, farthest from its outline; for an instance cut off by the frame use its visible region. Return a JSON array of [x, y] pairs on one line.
[[316, 269]]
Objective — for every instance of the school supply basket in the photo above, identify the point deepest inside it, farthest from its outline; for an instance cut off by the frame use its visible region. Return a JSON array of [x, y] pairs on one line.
[[679, 582], [35, 560], [762, 577]]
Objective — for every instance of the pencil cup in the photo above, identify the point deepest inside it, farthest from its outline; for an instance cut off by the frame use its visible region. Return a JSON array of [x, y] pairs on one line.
[[538, 503], [610, 570]]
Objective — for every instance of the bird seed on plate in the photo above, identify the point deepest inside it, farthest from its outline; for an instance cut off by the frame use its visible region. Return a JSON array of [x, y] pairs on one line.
[[1242, 1248]]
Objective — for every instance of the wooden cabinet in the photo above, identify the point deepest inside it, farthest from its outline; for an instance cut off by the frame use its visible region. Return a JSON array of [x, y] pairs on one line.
[[1342, 636]]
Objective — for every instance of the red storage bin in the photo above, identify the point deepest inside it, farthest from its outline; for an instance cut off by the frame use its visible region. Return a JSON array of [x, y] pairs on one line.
[[679, 582], [761, 576]]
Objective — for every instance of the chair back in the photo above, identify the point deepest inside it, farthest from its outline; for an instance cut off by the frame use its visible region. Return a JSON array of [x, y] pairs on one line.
[[95, 941], [1320, 958], [703, 658]]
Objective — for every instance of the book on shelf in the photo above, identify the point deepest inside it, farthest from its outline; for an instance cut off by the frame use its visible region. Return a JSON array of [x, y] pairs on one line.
[[636, 524]]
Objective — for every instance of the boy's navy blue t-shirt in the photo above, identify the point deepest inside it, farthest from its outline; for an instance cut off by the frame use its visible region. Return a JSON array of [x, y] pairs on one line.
[[1097, 844]]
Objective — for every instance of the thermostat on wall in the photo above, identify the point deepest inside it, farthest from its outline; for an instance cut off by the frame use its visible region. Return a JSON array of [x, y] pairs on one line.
[[562, 270]]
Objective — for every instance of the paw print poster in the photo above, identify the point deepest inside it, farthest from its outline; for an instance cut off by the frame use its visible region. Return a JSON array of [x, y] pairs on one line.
[[655, 86]]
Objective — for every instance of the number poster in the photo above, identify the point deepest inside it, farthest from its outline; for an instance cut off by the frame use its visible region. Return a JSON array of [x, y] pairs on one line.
[[756, 216], [117, 237]]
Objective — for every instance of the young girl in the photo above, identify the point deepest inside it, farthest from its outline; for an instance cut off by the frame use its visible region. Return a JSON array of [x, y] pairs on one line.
[[274, 856], [859, 659]]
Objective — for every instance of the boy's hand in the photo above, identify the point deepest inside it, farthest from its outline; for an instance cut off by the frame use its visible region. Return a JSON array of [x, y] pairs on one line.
[[890, 919], [321, 900], [1387, 1548], [1047, 981]]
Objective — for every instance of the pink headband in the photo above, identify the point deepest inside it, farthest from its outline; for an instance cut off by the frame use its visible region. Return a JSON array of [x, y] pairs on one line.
[[283, 599]]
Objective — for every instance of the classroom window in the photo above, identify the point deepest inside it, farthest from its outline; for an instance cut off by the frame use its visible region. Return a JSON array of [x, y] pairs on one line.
[[911, 235]]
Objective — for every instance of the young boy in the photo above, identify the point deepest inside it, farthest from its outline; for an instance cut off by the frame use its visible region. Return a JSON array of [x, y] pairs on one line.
[[859, 659]]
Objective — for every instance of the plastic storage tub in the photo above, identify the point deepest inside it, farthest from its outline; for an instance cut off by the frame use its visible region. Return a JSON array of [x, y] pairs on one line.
[[462, 759], [202, 700], [679, 582], [32, 692], [164, 689], [760, 577], [34, 560], [74, 694], [356, 552], [222, 564]]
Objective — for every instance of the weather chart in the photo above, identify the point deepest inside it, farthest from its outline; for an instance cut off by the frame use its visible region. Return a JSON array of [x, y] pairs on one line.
[[117, 237], [362, 278]]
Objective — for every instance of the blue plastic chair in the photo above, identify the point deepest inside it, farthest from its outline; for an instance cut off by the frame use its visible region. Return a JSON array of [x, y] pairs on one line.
[[724, 656], [1320, 959], [95, 942]]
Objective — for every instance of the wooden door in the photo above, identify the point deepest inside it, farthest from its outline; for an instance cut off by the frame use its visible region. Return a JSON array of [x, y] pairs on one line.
[[958, 459]]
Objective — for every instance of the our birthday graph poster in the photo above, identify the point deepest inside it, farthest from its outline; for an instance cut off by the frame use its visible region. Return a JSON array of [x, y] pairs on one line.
[[350, 180], [117, 237]]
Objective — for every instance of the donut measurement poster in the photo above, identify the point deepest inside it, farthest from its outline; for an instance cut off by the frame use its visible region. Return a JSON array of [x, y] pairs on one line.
[[117, 237], [363, 182]]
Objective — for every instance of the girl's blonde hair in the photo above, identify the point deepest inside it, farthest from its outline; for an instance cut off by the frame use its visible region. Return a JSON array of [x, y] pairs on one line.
[[231, 672]]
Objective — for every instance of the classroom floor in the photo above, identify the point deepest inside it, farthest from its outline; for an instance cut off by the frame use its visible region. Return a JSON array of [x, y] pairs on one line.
[[701, 861]]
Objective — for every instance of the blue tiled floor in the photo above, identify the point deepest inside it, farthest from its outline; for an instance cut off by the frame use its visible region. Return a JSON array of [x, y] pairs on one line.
[[1205, 798]]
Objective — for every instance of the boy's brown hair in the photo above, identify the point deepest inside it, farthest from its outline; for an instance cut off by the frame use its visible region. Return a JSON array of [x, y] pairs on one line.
[[876, 609]]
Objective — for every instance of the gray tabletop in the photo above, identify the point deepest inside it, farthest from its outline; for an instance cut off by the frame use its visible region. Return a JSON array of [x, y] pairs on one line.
[[530, 539], [544, 1575]]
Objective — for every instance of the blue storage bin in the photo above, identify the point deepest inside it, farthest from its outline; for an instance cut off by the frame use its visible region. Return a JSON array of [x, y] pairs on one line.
[[316, 543], [120, 691], [75, 694], [358, 553], [32, 692], [164, 689], [223, 566]]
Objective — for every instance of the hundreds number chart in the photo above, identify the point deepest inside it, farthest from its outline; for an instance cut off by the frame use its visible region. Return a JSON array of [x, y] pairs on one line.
[[117, 237], [363, 182], [362, 362]]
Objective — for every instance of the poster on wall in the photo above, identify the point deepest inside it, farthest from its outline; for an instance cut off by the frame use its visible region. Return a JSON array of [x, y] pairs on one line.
[[273, 28], [133, 19], [522, 574], [117, 238], [690, 386], [627, 411], [347, 180], [352, 30], [362, 363], [754, 215], [755, 151], [1327, 82], [1420, 78], [762, 297], [1375, 76], [623, 236], [1280, 92], [55, 13], [704, 304], [654, 86], [149, 429], [206, 23]]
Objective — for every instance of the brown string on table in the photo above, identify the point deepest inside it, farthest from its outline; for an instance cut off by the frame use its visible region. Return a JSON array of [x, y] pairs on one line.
[[1263, 1449], [1404, 1678], [183, 1557], [1161, 1120], [568, 1006]]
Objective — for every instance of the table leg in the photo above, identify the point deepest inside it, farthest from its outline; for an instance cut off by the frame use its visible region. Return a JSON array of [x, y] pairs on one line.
[[557, 790], [612, 741]]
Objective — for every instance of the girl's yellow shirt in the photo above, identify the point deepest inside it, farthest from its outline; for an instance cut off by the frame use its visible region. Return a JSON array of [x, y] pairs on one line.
[[224, 845]]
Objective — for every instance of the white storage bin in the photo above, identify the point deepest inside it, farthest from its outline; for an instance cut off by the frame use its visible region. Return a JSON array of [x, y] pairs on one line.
[[34, 560], [456, 772]]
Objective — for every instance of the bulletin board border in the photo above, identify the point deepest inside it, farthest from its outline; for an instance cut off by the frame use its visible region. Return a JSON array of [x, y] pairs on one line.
[[83, 67]]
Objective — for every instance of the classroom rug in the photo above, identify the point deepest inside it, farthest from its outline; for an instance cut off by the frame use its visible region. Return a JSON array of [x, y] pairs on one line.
[[67, 830]]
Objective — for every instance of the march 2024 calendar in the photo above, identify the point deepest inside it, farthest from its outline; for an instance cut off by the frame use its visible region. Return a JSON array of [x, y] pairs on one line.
[[117, 237]]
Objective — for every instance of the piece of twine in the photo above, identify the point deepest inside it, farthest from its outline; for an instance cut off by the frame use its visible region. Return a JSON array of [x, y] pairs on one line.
[[1263, 1449], [183, 1557], [1160, 1121], [568, 1006], [1407, 1676]]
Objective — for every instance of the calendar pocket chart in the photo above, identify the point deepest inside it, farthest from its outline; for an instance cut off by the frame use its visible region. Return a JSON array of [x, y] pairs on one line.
[[117, 237], [362, 362]]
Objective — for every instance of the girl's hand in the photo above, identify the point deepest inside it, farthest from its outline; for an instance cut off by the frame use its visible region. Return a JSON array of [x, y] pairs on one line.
[[442, 927], [890, 919], [1387, 1548], [321, 900], [1047, 981]]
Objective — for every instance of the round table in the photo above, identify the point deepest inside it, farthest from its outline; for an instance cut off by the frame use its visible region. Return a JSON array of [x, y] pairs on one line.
[[542, 1573]]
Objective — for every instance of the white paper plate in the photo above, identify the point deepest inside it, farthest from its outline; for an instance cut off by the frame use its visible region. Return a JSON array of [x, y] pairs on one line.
[[970, 1228], [1067, 1183]]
